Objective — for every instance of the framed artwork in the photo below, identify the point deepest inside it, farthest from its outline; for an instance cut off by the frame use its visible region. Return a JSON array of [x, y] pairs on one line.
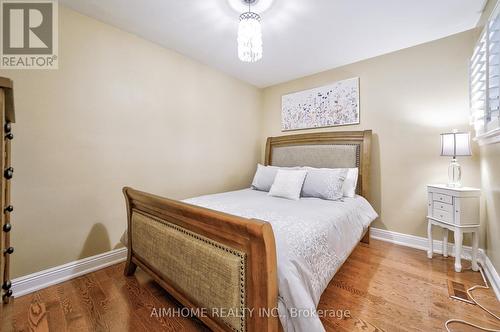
[[336, 104]]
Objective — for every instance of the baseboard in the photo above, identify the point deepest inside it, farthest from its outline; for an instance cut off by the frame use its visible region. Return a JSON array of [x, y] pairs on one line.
[[492, 275], [36, 281], [420, 243]]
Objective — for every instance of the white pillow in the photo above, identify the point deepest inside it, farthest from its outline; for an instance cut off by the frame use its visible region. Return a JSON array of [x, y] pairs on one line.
[[350, 182], [264, 177], [324, 183], [288, 184]]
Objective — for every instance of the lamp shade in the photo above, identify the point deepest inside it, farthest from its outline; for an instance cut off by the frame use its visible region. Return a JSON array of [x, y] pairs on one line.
[[455, 144]]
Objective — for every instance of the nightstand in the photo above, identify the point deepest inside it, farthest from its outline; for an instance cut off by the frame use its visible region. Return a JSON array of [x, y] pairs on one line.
[[455, 209]]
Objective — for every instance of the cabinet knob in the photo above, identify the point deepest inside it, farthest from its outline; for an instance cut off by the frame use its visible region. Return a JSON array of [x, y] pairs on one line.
[[9, 136], [7, 285], [7, 227], [9, 250], [7, 127], [8, 208], [8, 173]]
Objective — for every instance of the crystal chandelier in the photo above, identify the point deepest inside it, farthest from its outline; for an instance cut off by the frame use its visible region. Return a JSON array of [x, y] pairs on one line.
[[249, 36]]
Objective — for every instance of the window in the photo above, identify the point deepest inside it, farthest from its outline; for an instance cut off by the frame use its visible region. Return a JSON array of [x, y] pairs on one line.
[[484, 82]]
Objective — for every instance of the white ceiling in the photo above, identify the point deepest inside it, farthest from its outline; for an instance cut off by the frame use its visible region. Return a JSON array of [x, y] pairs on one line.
[[301, 37]]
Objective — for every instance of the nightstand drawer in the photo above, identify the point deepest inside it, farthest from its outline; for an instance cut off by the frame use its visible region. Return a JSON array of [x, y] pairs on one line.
[[442, 198], [443, 206], [442, 215]]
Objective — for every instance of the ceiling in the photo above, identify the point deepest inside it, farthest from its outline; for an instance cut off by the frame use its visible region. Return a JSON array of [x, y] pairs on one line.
[[300, 37]]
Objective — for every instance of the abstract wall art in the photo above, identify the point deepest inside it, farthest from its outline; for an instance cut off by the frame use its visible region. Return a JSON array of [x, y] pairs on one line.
[[336, 104]]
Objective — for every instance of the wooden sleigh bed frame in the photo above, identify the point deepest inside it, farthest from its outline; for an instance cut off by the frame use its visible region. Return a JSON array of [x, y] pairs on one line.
[[209, 260]]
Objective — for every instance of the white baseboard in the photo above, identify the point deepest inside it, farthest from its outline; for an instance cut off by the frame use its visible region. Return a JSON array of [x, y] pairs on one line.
[[38, 280], [420, 243], [492, 275]]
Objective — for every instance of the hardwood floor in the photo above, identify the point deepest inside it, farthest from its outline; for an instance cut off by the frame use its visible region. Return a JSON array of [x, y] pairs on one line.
[[384, 287]]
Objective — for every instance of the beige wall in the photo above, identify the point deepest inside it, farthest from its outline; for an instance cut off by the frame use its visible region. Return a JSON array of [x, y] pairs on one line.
[[490, 176], [490, 179], [407, 98], [119, 111]]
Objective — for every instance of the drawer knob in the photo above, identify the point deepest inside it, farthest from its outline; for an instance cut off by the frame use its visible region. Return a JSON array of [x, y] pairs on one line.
[[7, 127], [7, 227], [7, 285], [9, 173], [9, 136], [9, 208], [9, 250]]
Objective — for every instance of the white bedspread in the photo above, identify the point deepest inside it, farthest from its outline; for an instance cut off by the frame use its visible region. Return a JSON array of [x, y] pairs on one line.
[[313, 239]]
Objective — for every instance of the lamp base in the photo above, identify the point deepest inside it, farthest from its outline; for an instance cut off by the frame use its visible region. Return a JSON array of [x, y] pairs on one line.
[[454, 174]]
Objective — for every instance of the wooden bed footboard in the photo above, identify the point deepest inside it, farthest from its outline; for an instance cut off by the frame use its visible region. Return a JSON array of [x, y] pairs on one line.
[[221, 266]]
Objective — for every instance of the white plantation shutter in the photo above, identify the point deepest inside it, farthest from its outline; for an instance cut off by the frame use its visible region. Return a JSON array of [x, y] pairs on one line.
[[478, 72], [484, 82]]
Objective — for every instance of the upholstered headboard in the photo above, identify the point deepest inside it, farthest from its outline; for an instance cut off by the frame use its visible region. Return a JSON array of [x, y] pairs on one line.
[[340, 149]]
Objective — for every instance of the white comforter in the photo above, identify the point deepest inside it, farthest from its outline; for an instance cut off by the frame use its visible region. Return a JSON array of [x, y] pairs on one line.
[[313, 238]]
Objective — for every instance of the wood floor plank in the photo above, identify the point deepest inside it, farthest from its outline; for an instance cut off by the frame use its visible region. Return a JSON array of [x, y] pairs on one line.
[[383, 286], [54, 309], [37, 315], [74, 313], [94, 302]]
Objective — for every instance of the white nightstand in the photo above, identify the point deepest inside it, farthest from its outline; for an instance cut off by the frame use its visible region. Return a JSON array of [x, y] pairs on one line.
[[455, 209]]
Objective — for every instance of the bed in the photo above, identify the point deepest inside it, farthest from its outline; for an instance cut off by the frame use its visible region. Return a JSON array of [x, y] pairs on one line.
[[245, 261]]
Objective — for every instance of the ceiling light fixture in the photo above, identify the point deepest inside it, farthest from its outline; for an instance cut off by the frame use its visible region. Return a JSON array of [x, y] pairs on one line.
[[249, 35]]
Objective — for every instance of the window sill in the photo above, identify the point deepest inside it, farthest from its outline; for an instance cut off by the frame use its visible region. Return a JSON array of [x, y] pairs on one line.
[[491, 137]]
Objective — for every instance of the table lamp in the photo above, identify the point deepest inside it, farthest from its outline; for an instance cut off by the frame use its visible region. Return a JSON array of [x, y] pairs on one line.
[[452, 145]]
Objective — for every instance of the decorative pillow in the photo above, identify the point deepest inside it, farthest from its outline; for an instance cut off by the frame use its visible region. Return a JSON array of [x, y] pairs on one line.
[[324, 183], [288, 184], [350, 182], [264, 177]]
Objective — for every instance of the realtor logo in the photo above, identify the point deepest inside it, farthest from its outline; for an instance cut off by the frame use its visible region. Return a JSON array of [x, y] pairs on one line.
[[29, 34]]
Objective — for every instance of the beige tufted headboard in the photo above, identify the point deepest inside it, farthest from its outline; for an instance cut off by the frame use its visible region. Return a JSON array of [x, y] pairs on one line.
[[340, 149]]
